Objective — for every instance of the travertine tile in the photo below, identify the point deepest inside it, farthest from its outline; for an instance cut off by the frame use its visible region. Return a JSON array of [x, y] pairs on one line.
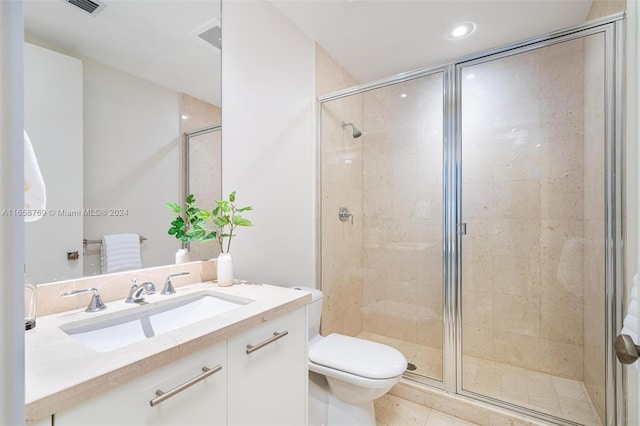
[[391, 410], [439, 419], [562, 359], [562, 321]]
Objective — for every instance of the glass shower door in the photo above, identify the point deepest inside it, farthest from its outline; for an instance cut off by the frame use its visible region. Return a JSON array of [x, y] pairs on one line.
[[533, 258], [203, 169], [382, 268]]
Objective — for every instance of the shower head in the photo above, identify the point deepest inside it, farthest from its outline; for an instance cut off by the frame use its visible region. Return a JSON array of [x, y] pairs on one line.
[[356, 133]]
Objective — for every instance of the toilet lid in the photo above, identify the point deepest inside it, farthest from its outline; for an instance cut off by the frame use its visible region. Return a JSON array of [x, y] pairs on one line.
[[357, 356]]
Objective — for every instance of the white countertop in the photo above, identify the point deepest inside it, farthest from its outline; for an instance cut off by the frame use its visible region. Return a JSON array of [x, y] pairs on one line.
[[61, 372]]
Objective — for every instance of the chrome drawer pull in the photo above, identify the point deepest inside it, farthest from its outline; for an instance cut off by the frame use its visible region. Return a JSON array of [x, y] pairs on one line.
[[276, 336], [163, 396]]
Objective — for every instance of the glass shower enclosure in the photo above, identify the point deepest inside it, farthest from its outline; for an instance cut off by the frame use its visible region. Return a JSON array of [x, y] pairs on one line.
[[482, 233], [202, 156]]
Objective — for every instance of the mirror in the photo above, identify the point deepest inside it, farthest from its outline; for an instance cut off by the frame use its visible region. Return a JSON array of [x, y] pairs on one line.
[[110, 90]]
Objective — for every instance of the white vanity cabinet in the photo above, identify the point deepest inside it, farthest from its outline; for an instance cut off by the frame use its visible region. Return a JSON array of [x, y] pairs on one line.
[[201, 403], [268, 386], [43, 422]]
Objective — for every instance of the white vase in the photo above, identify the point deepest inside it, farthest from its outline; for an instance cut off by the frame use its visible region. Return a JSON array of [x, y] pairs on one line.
[[183, 256], [225, 270]]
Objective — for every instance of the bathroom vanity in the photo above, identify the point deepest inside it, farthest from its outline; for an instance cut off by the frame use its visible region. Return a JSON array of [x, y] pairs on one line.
[[244, 365]]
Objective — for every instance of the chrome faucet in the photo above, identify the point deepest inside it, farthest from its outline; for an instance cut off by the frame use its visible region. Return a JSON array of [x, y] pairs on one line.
[[137, 291], [168, 286], [96, 304]]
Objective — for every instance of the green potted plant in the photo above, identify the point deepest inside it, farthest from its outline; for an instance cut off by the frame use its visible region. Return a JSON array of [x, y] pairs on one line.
[[226, 217], [180, 226]]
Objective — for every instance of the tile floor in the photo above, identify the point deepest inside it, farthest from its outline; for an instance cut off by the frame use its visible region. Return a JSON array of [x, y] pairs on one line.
[[394, 411], [539, 391]]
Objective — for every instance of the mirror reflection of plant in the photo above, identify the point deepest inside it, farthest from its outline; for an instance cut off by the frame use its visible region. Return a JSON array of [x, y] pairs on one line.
[[225, 217], [179, 227]]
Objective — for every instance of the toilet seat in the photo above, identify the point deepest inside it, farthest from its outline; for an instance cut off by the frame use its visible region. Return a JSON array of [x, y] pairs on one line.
[[357, 357]]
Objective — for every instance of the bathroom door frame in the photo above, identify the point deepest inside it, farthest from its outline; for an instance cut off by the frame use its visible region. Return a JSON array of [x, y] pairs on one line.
[[613, 29]]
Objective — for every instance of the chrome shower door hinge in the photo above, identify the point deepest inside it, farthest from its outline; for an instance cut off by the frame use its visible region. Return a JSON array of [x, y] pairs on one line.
[[462, 228]]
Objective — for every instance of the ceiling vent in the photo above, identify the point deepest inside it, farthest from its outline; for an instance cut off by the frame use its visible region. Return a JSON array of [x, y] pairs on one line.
[[213, 36], [91, 7]]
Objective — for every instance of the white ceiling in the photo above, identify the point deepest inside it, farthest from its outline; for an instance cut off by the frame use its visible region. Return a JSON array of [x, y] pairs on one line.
[[149, 38], [374, 39]]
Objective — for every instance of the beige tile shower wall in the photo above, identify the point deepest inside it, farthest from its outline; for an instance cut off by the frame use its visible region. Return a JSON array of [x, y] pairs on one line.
[[602, 8], [523, 202], [205, 168], [402, 287], [594, 253], [341, 187]]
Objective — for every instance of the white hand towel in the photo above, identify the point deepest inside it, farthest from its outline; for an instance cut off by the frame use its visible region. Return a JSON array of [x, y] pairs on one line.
[[35, 193], [120, 252]]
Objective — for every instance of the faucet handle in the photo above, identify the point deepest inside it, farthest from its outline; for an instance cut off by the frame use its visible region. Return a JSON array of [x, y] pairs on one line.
[[150, 287], [96, 304], [168, 285]]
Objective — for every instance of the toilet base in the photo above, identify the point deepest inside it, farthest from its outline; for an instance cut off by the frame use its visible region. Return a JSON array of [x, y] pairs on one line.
[[341, 413], [327, 410]]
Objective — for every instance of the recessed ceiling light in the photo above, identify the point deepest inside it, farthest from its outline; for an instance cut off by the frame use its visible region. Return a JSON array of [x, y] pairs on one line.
[[404, 95], [462, 30], [185, 117]]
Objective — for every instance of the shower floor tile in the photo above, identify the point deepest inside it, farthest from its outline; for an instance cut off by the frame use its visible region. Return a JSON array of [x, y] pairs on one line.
[[542, 392], [553, 395], [392, 411]]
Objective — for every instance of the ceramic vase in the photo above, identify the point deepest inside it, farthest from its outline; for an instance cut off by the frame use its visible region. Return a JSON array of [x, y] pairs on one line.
[[225, 270], [183, 256]]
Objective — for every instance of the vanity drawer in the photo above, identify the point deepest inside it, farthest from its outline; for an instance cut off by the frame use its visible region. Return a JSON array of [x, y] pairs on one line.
[[198, 397]]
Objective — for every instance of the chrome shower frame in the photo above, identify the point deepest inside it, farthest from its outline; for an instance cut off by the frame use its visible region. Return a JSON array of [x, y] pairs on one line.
[[612, 27], [186, 160]]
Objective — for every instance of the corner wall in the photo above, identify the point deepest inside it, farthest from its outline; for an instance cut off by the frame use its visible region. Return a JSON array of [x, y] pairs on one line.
[[268, 142]]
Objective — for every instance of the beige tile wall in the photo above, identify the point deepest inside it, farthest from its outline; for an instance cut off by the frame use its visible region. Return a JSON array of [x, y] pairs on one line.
[[116, 286], [523, 200], [602, 8], [594, 251], [341, 171], [403, 251]]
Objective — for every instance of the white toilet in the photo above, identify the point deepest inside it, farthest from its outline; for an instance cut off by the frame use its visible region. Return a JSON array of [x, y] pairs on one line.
[[346, 374]]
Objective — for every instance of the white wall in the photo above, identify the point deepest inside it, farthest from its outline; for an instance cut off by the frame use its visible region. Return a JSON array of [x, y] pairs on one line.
[[132, 159], [53, 120], [269, 141], [11, 227]]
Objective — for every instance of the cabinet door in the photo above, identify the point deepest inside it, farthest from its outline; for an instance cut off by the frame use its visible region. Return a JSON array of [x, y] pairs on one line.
[[203, 403], [43, 422], [269, 385]]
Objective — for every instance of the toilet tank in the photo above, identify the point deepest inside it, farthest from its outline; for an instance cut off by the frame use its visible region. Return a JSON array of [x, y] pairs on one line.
[[314, 310]]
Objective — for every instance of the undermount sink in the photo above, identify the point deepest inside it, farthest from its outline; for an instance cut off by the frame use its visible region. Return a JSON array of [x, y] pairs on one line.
[[121, 329]]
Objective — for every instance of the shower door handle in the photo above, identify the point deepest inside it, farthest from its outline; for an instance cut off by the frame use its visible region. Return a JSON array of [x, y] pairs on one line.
[[626, 350]]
